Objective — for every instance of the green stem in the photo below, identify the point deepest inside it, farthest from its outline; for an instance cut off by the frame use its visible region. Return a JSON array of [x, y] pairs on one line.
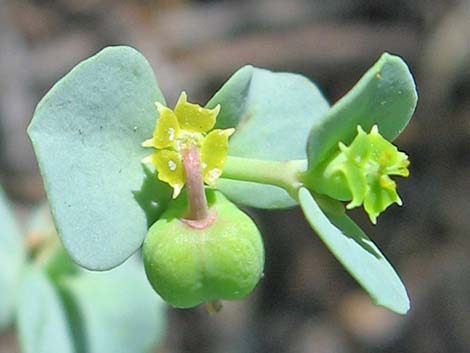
[[213, 307], [284, 174]]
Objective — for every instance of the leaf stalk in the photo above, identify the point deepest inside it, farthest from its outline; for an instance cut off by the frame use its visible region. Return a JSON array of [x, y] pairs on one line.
[[284, 174]]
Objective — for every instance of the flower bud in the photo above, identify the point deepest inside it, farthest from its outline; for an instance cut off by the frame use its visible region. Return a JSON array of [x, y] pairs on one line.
[[360, 173]]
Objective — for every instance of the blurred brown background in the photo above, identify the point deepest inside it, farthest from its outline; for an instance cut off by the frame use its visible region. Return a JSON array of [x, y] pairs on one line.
[[306, 302]]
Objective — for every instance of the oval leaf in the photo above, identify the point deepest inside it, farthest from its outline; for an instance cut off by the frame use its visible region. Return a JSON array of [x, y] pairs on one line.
[[357, 253], [86, 133], [12, 257], [42, 324], [385, 95], [115, 311], [272, 113]]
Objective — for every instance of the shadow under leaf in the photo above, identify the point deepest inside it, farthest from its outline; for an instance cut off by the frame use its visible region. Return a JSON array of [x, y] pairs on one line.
[[153, 196], [352, 231], [339, 218]]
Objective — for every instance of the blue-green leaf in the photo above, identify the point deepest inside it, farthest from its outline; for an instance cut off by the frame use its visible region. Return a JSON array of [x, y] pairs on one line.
[[86, 133], [357, 253], [385, 96], [12, 257], [272, 114], [255, 195], [42, 324], [115, 311]]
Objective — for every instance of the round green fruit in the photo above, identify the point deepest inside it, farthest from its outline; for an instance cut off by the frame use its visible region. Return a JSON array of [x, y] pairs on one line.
[[188, 266]]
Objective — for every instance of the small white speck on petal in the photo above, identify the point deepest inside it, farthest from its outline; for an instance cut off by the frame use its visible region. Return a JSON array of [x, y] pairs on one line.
[[213, 175], [171, 165]]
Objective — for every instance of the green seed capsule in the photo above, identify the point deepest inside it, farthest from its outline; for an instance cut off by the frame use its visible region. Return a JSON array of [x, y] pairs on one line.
[[188, 266]]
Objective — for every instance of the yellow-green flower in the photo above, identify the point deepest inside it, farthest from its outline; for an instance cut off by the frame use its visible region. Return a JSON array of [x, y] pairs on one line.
[[176, 130], [361, 173]]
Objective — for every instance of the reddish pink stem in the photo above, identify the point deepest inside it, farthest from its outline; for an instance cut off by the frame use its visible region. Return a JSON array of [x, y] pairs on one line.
[[198, 210]]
